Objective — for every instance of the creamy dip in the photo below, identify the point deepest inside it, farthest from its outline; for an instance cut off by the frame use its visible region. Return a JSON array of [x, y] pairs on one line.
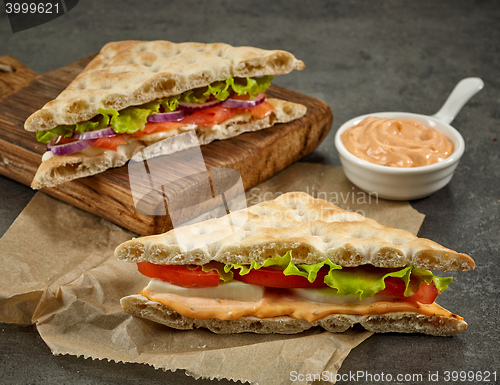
[[396, 142]]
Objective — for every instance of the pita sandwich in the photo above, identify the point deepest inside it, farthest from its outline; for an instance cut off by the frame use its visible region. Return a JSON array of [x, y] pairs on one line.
[[293, 263], [137, 93]]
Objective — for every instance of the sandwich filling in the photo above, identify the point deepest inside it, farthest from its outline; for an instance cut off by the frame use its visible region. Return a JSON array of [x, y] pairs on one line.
[[219, 102], [278, 287]]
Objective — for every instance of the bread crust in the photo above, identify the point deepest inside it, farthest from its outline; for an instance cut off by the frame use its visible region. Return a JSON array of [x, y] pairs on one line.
[[313, 229], [400, 322], [129, 73], [60, 169]]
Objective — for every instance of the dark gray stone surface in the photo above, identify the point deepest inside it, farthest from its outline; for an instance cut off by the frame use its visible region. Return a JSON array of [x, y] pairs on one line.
[[361, 57]]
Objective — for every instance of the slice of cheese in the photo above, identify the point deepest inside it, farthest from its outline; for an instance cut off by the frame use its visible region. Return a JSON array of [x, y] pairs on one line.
[[234, 290]]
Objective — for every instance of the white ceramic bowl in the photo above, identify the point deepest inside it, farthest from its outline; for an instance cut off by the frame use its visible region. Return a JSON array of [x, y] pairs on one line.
[[401, 183]]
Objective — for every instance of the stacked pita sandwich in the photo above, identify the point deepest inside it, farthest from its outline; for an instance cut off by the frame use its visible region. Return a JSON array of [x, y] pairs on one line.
[[294, 263], [137, 93]]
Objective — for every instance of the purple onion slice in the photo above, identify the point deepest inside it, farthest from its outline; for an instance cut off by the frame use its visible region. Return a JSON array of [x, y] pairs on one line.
[[237, 103], [166, 117], [103, 133], [70, 148]]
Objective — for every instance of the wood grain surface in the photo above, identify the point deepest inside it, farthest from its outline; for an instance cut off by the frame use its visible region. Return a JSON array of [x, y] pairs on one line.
[[256, 156], [13, 75]]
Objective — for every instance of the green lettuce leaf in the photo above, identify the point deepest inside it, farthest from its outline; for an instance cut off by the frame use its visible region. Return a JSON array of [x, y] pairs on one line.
[[427, 277], [99, 122], [169, 104], [363, 281], [221, 90], [283, 263], [128, 120], [253, 87], [213, 265], [61, 130]]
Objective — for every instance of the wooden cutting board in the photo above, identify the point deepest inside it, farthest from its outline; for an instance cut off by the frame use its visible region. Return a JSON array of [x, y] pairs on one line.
[[256, 156]]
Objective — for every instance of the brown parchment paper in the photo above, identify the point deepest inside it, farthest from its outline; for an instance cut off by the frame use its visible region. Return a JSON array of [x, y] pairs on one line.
[[58, 270]]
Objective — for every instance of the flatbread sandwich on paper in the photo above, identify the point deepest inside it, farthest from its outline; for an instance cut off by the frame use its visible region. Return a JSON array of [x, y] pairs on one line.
[[137, 93], [297, 262]]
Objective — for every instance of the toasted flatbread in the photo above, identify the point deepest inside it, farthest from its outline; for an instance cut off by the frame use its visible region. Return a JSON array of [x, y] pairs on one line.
[[60, 169], [313, 229]]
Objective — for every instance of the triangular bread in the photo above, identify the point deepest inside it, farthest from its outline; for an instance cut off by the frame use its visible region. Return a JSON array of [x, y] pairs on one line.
[[313, 229], [129, 73]]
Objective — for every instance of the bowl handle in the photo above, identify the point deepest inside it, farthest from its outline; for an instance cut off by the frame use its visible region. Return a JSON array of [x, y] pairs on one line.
[[463, 91]]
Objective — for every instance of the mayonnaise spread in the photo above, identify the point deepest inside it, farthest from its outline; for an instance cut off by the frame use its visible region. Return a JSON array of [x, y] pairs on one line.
[[396, 142], [279, 302]]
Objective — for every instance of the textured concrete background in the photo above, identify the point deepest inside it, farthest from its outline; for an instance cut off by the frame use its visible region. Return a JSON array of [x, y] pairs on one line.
[[361, 57]]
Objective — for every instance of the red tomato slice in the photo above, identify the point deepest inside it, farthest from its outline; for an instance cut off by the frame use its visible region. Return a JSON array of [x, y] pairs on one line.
[[426, 293], [259, 112], [179, 275], [109, 143], [151, 128], [210, 116], [270, 277], [240, 97], [394, 286]]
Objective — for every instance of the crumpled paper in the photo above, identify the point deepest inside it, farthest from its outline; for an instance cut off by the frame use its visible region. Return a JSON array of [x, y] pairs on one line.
[[58, 271]]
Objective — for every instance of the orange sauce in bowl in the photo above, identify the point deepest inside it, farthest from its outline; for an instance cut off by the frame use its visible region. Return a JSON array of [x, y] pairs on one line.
[[396, 142]]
